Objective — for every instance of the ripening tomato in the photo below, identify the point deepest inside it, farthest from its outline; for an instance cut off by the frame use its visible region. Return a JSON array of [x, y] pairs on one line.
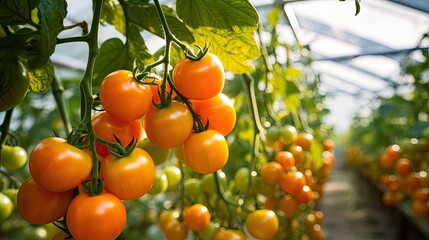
[[219, 111], [286, 159], [159, 155], [58, 166], [37, 205], [123, 97], [168, 127], [13, 157], [96, 217], [206, 152], [262, 224], [230, 234], [6, 207], [173, 229], [202, 79], [106, 127], [293, 182], [298, 153], [196, 217], [304, 140], [305, 196], [271, 172], [128, 177]]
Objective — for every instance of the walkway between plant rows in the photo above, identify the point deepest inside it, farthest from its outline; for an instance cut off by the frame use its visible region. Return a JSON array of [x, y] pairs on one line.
[[353, 209]]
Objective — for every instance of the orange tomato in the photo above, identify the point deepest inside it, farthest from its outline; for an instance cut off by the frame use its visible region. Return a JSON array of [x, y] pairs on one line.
[[271, 172], [286, 159], [37, 205], [96, 217], [123, 97], [293, 182], [205, 152], [403, 167], [199, 80], [218, 111], [304, 140], [262, 224], [196, 217], [58, 166]]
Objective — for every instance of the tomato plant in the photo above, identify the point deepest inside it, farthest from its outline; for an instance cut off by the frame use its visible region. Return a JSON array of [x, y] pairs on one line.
[[58, 166], [201, 79], [86, 216], [135, 98], [128, 177]]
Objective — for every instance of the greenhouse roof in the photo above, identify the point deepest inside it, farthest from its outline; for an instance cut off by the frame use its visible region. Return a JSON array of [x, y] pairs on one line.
[[358, 57]]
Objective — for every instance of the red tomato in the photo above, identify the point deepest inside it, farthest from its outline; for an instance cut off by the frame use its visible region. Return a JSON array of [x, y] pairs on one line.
[[197, 217], [219, 111], [123, 97], [58, 166], [206, 152], [202, 79], [37, 205], [97, 217], [168, 127], [106, 127], [129, 177]]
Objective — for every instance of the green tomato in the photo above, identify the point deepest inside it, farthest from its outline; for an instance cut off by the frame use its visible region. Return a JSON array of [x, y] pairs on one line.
[[12, 193], [160, 184], [209, 232], [6, 207], [241, 178], [194, 188], [288, 134], [13, 157], [14, 91], [159, 155], [35, 233], [209, 184], [174, 175], [51, 229], [273, 135]]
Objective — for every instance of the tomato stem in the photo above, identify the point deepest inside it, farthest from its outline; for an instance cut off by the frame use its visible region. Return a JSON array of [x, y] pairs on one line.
[[13, 181], [57, 91], [4, 129]]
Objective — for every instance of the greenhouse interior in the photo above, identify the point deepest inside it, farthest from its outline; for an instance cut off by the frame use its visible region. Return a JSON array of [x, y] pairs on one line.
[[214, 120]]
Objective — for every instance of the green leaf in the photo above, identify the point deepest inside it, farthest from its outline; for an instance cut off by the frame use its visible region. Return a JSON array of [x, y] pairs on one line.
[[152, 22], [137, 48], [41, 78], [223, 14], [52, 14], [357, 5], [7, 73], [15, 12], [113, 56], [113, 14], [228, 25], [236, 50], [316, 151]]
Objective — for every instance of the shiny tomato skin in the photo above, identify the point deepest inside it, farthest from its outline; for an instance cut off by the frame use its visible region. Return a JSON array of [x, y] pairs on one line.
[[37, 205], [13, 157], [196, 217], [219, 111], [123, 97], [206, 152], [168, 127], [229, 234], [106, 127], [16, 91], [58, 166], [262, 224], [199, 80], [129, 177], [97, 217]]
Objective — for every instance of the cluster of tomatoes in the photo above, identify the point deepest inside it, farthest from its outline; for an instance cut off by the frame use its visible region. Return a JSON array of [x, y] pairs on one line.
[[401, 171], [295, 182]]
